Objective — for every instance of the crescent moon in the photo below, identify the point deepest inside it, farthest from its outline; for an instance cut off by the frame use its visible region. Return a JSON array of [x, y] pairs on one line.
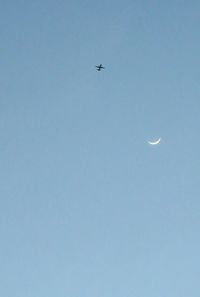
[[154, 142]]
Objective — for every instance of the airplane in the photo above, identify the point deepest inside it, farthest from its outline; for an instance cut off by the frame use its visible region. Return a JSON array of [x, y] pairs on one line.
[[99, 67]]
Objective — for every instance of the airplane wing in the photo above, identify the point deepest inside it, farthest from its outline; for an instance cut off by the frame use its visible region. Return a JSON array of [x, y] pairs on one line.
[[99, 67]]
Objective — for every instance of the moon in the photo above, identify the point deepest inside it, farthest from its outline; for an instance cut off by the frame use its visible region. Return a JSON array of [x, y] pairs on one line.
[[154, 142]]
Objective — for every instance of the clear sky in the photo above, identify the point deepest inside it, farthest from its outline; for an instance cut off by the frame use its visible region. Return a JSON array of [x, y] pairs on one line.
[[87, 207]]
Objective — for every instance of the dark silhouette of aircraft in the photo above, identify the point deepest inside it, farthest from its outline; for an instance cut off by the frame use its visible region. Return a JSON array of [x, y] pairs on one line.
[[99, 67]]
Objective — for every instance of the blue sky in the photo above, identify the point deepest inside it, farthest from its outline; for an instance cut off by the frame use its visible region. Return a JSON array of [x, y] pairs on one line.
[[87, 207]]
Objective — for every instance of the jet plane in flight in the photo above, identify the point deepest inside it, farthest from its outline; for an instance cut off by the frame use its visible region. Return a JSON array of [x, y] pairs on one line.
[[99, 67]]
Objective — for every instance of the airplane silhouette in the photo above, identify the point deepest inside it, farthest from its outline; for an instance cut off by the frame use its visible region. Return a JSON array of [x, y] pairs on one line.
[[99, 67]]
